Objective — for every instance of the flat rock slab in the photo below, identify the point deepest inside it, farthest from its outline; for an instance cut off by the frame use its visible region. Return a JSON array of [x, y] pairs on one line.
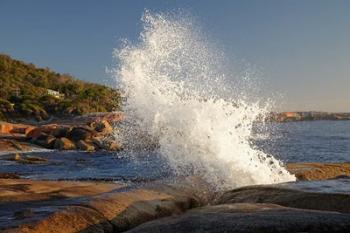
[[20, 190], [288, 197], [50, 206], [14, 145], [261, 209], [249, 217], [318, 171], [61, 206], [24, 201]]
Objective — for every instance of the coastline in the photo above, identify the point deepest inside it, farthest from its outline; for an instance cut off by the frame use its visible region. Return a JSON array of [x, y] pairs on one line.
[[86, 133], [185, 203], [306, 116], [76, 206]]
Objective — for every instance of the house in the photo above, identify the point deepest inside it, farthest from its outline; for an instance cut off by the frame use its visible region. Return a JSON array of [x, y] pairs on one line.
[[55, 94]]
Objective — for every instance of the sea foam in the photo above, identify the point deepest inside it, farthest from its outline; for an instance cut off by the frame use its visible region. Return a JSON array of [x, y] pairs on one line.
[[177, 92]]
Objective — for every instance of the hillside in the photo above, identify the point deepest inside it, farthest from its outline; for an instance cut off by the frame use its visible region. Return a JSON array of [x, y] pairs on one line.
[[29, 92]]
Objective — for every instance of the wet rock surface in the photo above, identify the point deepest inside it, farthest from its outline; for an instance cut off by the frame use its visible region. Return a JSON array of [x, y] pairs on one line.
[[249, 217], [8, 175], [51, 206], [11, 145], [262, 209], [338, 202], [63, 206]]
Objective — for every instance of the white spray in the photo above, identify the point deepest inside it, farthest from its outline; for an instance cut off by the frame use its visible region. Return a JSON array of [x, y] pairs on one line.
[[175, 87]]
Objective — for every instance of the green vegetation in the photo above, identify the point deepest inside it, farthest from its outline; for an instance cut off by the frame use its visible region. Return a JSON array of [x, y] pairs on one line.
[[30, 92]]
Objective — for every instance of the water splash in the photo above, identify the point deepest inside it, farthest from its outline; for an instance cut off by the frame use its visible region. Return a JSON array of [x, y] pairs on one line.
[[177, 91]]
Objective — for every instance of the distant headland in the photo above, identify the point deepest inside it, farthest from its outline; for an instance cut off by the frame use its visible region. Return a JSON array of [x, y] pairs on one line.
[[306, 116]]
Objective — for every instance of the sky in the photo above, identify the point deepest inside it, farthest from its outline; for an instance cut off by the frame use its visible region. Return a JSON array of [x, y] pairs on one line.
[[301, 49]]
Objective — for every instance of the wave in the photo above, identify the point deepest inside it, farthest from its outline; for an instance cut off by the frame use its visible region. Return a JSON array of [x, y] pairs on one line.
[[178, 94]]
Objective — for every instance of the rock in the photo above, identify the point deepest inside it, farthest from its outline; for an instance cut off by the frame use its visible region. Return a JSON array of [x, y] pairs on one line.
[[16, 145], [81, 133], [28, 130], [41, 192], [34, 133], [289, 198], [111, 145], [5, 128], [106, 144], [103, 127], [8, 128], [82, 145], [34, 158], [17, 157], [22, 129], [68, 219], [45, 140], [114, 117], [98, 142], [27, 159], [7, 175], [64, 144], [248, 218], [12, 157], [47, 129], [61, 132], [129, 209], [26, 213], [50, 142], [8, 145], [91, 207], [318, 171], [40, 136]]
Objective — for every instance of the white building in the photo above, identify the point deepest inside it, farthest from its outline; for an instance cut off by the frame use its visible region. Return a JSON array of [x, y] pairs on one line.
[[55, 94]]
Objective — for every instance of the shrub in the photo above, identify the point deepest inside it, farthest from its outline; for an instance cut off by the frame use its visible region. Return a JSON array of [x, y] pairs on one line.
[[27, 86]]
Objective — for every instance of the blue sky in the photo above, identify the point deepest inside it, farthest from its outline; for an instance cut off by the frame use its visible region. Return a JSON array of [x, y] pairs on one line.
[[300, 48]]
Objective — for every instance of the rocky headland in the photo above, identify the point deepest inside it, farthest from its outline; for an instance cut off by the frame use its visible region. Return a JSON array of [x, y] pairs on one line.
[[306, 116]]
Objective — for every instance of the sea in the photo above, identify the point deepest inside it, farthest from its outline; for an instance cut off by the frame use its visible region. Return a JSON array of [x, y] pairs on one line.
[[290, 142]]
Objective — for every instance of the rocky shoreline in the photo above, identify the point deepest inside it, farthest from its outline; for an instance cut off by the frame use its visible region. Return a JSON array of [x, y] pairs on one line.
[[89, 133], [183, 205], [306, 116]]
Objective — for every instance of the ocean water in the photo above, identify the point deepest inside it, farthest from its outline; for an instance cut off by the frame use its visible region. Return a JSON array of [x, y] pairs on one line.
[[314, 141], [308, 141]]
